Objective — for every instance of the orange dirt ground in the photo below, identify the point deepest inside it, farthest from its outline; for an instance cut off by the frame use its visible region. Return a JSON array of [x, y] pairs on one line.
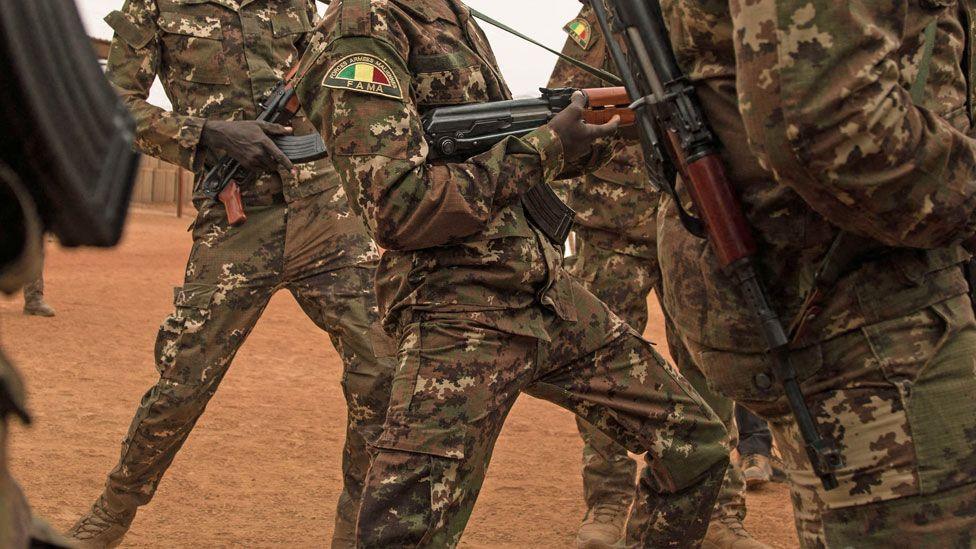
[[262, 467]]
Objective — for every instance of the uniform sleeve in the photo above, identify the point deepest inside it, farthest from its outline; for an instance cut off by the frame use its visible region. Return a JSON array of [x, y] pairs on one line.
[[827, 111], [133, 63], [380, 153]]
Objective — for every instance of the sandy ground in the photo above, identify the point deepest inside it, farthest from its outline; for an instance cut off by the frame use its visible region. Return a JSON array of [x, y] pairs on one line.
[[262, 467]]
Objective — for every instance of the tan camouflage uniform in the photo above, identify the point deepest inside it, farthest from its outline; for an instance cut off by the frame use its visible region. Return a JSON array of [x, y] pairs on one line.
[[812, 102], [217, 60], [617, 261], [476, 297]]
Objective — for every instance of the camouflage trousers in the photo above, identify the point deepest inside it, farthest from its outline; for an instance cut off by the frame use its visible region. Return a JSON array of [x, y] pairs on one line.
[[897, 399], [458, 375], [35, 289], [623, 281], [321, 254]]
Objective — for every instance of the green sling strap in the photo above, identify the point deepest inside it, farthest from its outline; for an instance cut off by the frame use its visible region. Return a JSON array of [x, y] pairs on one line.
[[925, 65], [599, 73]]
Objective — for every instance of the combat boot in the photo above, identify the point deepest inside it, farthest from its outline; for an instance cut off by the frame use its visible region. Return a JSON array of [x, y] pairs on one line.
[[103, 526], [34, 304], [756, 470], [729, 533], [602, 528]]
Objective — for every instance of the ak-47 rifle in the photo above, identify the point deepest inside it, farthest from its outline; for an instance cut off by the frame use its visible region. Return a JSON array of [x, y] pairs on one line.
[[676, 139], [466, 130], [224, 179]]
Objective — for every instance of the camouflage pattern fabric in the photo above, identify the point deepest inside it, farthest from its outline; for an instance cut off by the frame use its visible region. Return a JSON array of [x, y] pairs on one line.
[[617, 261], [812, 102], [479, 303], [217, 60]]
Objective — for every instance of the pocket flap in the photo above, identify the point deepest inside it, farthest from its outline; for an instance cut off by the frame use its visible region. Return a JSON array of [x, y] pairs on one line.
[[197, 26], [444, 62], [137, 36], [290, 22], [194, 296], [443, 443], [428, 11]]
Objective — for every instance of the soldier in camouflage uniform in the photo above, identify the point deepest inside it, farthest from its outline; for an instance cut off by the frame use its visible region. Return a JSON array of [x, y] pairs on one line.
[[616, 260], [475, 295], [841, 116], [217, 60]]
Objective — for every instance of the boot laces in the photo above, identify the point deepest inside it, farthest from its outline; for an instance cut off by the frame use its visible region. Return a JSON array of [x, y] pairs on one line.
[[607, 514]]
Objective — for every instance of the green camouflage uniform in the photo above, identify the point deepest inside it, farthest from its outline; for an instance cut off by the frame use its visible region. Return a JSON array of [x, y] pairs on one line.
[[616, 260], [217, 60], [476, 297], [813, 103]]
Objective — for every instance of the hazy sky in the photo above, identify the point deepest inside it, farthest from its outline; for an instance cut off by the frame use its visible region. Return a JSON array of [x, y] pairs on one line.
[[526, 67]]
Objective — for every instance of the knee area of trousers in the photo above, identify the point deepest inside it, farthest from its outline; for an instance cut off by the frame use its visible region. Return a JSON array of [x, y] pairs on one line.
[[173, 392], [675, 475]]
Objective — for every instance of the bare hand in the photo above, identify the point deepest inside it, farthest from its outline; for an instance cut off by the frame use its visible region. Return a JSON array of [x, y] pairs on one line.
[[576, 135], [247, 142]]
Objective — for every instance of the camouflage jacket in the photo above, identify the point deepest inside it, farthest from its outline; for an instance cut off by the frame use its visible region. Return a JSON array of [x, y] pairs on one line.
[[455, 233], [616, 207], [812, 102], [216, 59]]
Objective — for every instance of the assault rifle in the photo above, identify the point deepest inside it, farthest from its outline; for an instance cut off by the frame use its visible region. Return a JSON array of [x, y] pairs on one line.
[[466, 130], [224, 179], [676, 138]]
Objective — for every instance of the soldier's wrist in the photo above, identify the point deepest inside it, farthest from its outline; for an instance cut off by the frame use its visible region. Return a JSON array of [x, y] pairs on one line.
[[550, 148]]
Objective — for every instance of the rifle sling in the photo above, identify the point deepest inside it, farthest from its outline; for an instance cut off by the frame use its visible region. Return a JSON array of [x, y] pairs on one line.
[[599, 73]]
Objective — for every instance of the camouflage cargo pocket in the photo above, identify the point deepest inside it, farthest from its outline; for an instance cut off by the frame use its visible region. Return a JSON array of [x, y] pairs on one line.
[[749, 377], [192, 309], [194, 47], [290, 25], [448, 79]]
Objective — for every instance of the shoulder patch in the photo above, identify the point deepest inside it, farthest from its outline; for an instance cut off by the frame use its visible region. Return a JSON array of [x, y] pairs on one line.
[[364, 73], [581, 31]]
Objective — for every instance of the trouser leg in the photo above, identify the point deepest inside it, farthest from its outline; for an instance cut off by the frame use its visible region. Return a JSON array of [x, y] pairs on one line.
[[622, 282], [608, 470], [342, 303], [613, 378], [732, 498], [35, 290], [895, 398], [194, 348], [754, 435], [455, 382], [230, 277]]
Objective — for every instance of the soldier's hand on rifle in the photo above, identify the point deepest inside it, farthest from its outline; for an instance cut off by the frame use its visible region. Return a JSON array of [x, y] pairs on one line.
[[247, 142], [576, 135]]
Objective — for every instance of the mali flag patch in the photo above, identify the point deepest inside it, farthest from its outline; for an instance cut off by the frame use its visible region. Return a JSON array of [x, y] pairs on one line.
[[364, 73], [581, 31]]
